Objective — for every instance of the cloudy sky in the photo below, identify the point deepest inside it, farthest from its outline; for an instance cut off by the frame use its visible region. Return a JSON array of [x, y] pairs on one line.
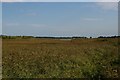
[[0, 18], [60, 19], [60, 0]]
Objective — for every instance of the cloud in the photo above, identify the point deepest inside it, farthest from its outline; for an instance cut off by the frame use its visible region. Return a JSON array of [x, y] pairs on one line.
[[31, 14], [107, 0], [60, 0], [91, 19], [28, 25], [36, 25], [12, 0], [11, 24], [108, 5]]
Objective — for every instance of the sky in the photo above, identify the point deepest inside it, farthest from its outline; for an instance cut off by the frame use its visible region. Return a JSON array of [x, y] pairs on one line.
[[0, 18], [59, 0], [60, 18]]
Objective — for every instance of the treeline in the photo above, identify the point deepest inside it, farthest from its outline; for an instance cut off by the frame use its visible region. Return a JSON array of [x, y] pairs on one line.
[[27, 37], [61, 37], [77, 37], [74, 37], [108, 36], [15, 37]]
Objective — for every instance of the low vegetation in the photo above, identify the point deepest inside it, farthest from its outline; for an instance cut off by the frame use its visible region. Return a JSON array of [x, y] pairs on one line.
[[55, 58]]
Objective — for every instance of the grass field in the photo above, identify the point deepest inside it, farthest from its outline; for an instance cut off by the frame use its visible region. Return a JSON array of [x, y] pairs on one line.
[[54, 58], [0, 58]]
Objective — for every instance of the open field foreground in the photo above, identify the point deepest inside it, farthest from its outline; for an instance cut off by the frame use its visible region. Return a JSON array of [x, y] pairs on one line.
[[0, 58], [54, 58]]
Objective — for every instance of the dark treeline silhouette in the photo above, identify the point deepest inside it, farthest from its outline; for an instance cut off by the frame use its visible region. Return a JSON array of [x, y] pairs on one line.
[[74, 37], [108, 36], [56, 37], [15, 37], [62, 37]]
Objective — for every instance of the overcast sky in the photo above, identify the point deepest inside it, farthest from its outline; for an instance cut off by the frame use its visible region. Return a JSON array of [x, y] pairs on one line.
[[60, 19]]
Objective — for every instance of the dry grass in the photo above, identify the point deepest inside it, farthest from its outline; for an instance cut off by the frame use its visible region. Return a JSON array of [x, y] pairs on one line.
[[50, 58]]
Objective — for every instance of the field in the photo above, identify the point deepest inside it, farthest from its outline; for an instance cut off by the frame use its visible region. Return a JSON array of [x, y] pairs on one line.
[[55, 58], [0, 58]]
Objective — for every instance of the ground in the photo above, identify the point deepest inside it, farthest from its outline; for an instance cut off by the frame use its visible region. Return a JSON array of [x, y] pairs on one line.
[[54, 58]]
